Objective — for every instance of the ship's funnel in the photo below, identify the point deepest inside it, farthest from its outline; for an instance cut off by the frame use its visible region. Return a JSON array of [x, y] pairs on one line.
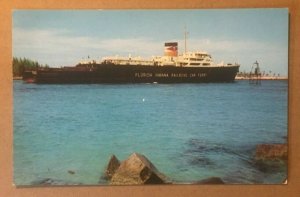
[[171, 49]]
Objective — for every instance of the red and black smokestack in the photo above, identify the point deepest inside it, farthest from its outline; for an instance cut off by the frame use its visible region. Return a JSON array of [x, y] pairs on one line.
[[171, 49]]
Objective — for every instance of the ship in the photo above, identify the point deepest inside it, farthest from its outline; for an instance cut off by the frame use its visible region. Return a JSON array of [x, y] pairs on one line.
[[188, 67]]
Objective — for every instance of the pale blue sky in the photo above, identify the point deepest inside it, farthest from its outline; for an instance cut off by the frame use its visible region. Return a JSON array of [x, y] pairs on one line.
[[61, 38]]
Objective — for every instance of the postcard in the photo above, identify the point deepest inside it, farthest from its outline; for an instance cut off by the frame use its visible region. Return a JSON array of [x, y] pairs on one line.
[[134, 97]]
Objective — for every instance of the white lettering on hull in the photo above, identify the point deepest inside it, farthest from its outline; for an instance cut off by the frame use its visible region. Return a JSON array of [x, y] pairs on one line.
[[170, 75]]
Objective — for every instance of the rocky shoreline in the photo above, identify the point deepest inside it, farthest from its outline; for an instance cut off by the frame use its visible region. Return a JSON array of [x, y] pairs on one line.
[[137, 169]]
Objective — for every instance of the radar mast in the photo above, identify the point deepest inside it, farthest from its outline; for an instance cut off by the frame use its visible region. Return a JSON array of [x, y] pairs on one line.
[[185, 37]]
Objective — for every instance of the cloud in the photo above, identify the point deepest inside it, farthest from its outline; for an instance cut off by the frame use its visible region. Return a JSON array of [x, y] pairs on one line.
[[270, 56], [61, 47], [59, 44]]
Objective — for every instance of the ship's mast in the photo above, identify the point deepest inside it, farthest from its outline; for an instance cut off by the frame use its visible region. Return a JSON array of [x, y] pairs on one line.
[[185, 37]]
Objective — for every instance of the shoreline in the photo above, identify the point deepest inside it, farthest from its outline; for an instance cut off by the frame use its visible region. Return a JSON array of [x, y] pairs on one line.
[[17, 78], [262, 78]]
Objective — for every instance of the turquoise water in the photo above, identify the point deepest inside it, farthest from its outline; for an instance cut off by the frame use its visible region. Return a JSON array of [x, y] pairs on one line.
[[189, 131]]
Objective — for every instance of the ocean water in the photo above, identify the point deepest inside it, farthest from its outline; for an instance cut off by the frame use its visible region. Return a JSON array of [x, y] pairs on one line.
[[189, 131]]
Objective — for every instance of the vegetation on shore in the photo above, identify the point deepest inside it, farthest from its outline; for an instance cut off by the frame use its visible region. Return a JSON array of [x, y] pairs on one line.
[[24, 64]]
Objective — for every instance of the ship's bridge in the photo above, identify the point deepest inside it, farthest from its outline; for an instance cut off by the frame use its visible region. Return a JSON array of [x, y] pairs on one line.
[[198, 58], [197, 54]]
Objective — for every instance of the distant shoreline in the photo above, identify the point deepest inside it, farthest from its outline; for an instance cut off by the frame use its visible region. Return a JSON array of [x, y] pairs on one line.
[[17, 78], [262, 78]]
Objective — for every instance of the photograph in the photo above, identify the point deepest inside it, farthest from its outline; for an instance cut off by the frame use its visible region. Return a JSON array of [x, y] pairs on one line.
[[150, 96]]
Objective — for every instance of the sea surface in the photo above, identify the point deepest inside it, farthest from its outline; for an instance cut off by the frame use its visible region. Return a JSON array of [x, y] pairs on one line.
[[65, 134]]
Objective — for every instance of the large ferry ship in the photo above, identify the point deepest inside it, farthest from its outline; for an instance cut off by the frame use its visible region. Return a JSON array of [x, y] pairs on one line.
[[189, 67]]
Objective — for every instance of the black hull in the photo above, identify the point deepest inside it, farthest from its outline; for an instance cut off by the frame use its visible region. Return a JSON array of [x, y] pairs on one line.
[[109, 73]]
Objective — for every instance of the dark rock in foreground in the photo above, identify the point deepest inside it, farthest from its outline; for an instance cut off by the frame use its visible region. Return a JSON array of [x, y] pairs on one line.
[[271, 158], [271, 152], [112, 166], [211, 180], [137, 169]]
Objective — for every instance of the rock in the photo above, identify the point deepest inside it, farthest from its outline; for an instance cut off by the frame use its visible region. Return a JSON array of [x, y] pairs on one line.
[[46, 181], [137, 169], [211, 180], [271, 158], [112, 166], [71, 172], [271, 152]]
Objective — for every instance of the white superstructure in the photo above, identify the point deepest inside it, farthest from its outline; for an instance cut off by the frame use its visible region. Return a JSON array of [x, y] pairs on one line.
[[170, 58], [188, 59]]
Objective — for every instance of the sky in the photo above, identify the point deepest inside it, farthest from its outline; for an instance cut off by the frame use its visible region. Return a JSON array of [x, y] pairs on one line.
[[65, 37]]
